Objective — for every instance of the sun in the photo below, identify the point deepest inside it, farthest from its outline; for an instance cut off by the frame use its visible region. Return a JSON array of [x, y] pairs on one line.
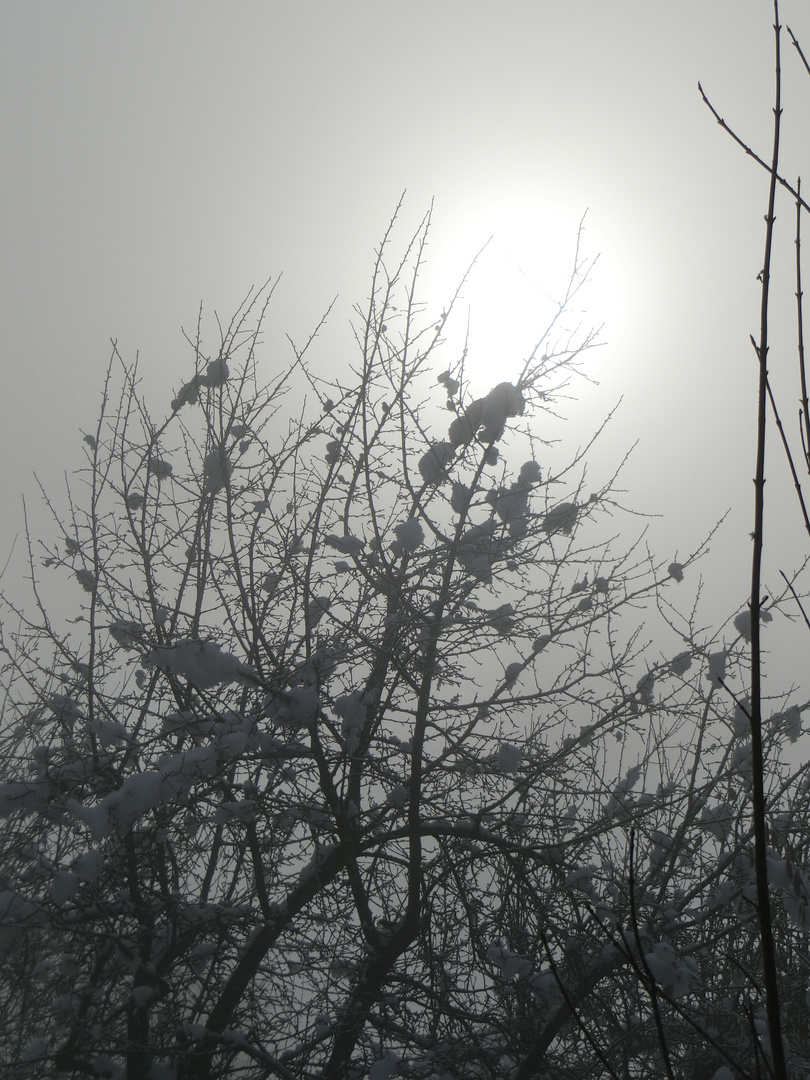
[[519, 278]]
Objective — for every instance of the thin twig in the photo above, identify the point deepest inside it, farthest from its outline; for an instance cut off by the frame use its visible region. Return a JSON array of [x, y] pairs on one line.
[[751, 153], [796, 598], [799, 50], [8, 559], [788, 455]]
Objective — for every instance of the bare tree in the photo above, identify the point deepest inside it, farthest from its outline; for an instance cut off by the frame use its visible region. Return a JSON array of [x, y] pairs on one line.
[[358, 757]]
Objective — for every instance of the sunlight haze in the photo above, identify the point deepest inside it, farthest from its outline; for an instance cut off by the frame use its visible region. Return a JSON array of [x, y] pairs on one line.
[[163, 156]]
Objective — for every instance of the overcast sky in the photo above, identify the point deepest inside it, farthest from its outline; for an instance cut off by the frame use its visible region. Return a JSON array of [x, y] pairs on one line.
[[166, 152]]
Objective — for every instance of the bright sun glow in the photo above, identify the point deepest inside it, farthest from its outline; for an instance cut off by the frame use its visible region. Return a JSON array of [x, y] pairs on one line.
[[513, 290]]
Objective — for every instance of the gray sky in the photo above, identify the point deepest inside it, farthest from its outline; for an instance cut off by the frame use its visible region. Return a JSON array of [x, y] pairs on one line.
[[166, 152]]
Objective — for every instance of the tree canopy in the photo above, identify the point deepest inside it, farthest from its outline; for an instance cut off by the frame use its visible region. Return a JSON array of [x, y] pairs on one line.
[[377, 743]]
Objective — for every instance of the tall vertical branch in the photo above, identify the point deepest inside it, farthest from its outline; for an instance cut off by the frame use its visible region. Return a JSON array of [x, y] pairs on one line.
[[804, 423], [758, 769]]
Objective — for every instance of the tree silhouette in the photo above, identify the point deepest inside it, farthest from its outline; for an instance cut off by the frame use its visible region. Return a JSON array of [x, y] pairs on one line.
[[357, 757]]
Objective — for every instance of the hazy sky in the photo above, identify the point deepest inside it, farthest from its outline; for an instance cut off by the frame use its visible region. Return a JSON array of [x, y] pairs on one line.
[[160, 154]]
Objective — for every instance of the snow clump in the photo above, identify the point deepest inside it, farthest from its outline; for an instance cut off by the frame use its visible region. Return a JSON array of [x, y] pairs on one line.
[[742, 622], [397, 796], [644, 689], [294, 708], [672, 972], [346, 545], [410, 535], [501, 619], [478, 550], [500, 404], [160, 468], [512, 504], [383, 1067], [87, 580], [270, 582], [450, 384], [529, 473], [788, 723], [169, 783], [717, 667], [718, 820], [463, 428], [581, 880], [561, 518], [681, 663], [64, 708], [486, 417], [352, 712], [203, 663], [216, 374], [512, 673], [434, 463], [510, 963], [509, 757], [217, 470], [89, 865], [317, 607], [460, 499], [128, 634]]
